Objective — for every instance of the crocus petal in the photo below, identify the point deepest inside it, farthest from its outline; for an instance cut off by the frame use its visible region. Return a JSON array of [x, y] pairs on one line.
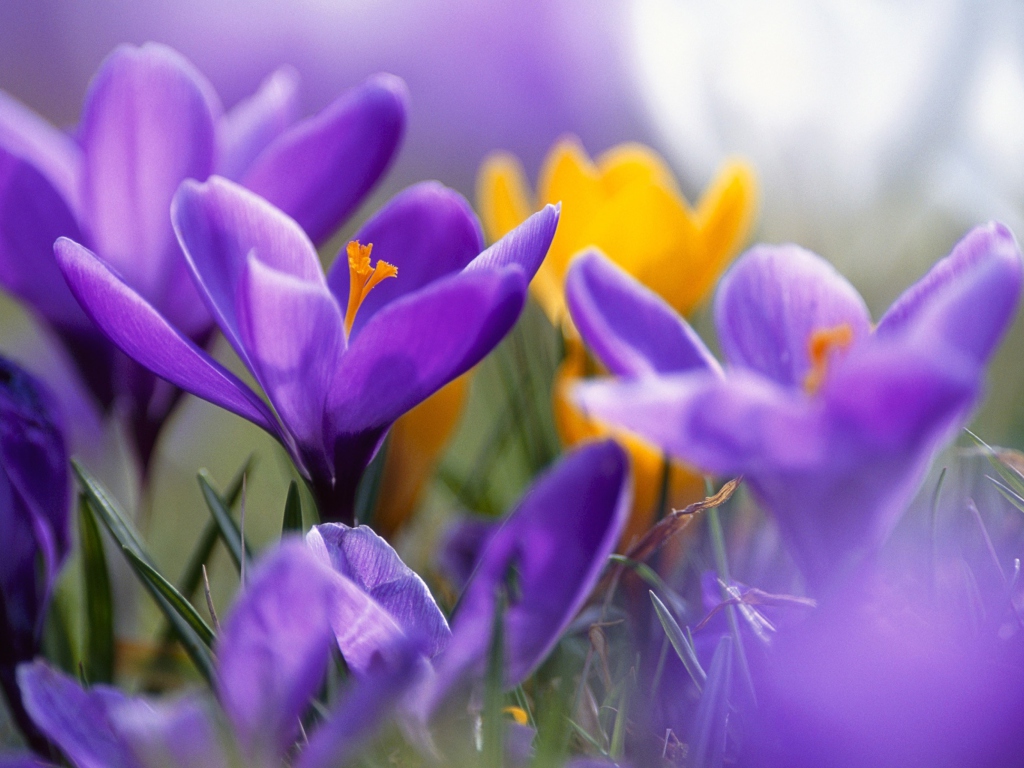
[[630, 328], [556, 544], [53, 153], [525, 246], [176, 734], [427, 231], [218, 224], [417, 344], [770, 303], [23, 761], [274, 648], [968, 299], [319, 170], [147, 125], [364, 557], [292, 330], [32, 215], [733, 425], [77, 721], [248, 128], [144, 335]]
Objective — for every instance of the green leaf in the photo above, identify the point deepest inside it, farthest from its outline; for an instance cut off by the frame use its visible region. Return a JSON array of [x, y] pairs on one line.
[[172, 596], [226, 525], [99, 605], [369, 486], [124, 533], [292, 511], [684, 650], [492, 749]]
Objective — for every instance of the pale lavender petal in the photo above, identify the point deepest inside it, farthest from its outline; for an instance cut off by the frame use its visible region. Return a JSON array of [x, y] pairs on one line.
[[32, 215], [175, 734], [547, 556], [364, 557], [364, 631], [252, 124], [968, 299], [772, 300], [53, 153], [146, 336], [417, 344], [293, 332], [629, 327], [274, 648], [77, 721], [218, 224], [319, 170], [427, 231], [525, 246], [147, 125]]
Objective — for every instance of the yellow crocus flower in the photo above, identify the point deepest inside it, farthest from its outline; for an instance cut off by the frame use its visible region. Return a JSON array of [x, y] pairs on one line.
[[628, 205]]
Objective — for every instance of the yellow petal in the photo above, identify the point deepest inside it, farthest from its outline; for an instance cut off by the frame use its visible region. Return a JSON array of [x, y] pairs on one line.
[[633, 163], [416, 442], [502, 194]]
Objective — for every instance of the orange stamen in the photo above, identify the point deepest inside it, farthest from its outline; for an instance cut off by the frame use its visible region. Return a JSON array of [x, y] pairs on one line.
[[820, 346], [362, 278]]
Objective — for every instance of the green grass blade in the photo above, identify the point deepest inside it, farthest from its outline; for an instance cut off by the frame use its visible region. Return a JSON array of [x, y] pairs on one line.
[[684, 650], [228, 528], [292, 511], [172, 597], [492, 750], [99, 604]]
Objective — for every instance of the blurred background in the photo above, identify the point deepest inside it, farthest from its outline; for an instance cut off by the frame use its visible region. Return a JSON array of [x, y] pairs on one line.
[[880, 131]]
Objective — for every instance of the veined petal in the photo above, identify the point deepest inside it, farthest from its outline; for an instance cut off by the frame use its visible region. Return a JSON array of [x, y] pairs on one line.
[[144, 335], [547, 555], [968, 299], [54, 154], [274, 648], [219, 224], [293, 333], [525, 246], [427, 231], [631, 329], [364, 557], [319, 170], [147, 125], [733, 425], [251, 125], [32, 215], [417, 344], [771, 302]]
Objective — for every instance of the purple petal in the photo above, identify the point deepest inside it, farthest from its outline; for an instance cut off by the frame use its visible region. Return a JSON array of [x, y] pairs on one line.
[[145, 336], [461, 545], [147, 125], [77, 721], [364, 557], [525, 246], [32, 215], [321, 169], [557, 542], [176, 734], [428, 231], [274, 648], [54, 154], [218, 224], [247, 129], [292, 330], [631, 329], [23, 761], [968, 299], [770, 303], [417, 344]]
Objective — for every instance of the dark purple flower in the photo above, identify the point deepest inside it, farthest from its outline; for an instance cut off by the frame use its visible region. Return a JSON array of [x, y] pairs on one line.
[[34, 496], [832, 421], [149, 122], [272, 656], [338, 364]]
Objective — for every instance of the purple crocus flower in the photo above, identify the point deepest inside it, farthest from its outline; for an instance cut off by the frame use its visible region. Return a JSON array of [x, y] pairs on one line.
[[272, 656], [832, 421], [33, 517], [339, 357], [149, 122]]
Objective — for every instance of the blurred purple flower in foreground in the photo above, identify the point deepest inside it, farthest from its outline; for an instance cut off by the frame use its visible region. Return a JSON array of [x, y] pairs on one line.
[[34, 494], [831, 421], [150, 121], [337, 379]]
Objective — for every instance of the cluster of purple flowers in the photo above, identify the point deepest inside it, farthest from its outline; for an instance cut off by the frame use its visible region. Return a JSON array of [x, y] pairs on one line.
[[163, 217]]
